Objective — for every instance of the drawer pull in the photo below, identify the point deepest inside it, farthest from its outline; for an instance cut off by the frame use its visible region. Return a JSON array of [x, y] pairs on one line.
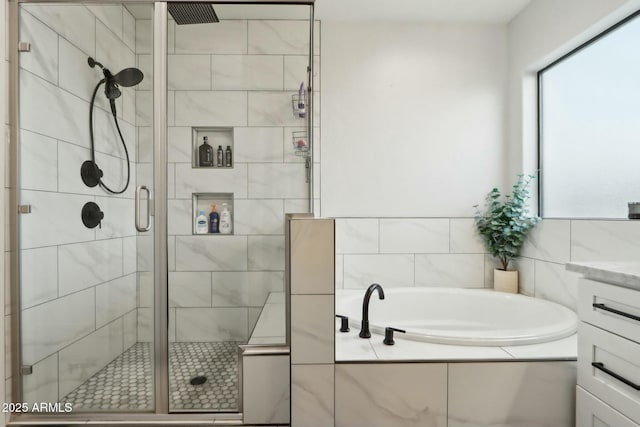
[[618, 312], [599, 365]]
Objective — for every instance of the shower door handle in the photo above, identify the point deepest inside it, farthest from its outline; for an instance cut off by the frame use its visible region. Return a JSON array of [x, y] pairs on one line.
[[139, 190]]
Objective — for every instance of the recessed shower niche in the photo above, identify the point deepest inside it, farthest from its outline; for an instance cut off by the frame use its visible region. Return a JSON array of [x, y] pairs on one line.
[[205, 201], [219, 139]]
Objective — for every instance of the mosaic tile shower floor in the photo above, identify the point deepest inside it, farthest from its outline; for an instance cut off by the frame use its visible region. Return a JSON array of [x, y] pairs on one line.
[[126, 383]]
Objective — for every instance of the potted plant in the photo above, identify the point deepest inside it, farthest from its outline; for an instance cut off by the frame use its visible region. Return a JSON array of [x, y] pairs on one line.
[[504, 226]]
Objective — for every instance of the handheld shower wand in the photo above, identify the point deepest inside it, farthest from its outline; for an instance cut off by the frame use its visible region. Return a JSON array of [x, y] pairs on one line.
[[90, 172]]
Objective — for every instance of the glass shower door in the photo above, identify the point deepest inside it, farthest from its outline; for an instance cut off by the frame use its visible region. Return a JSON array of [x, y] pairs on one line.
[[86, 235]]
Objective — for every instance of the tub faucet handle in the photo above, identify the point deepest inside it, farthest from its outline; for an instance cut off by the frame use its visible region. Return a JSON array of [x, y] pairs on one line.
[[388, 335], [344, 324]]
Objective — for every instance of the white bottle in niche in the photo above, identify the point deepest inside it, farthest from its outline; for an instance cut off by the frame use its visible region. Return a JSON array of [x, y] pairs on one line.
[[225, 220], [202, 224]]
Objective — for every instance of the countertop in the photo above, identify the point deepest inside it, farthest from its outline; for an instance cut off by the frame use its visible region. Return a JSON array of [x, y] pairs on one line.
[[625, 274]]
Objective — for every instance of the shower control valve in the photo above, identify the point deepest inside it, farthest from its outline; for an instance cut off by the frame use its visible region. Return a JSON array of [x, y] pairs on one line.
[[92, 216]]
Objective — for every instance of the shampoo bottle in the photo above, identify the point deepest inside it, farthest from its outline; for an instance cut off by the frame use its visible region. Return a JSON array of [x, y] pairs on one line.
[[213, 220], [220, 157], [201, 223], [225, 220], [302, 102], [228, 157], [205, 154]]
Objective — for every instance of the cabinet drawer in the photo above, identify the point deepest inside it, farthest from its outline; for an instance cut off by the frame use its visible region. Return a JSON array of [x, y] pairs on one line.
[[593, 412], [624, 320], [620, 358]]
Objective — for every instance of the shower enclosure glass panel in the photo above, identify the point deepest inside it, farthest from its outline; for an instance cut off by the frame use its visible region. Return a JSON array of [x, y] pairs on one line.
[[231, 83], [86, 249]]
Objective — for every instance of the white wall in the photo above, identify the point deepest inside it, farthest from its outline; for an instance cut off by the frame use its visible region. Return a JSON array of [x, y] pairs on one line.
[[412, 118], [541, 33]]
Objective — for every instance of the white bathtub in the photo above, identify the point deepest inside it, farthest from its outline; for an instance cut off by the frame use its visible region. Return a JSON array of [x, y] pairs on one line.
[[461, 316]]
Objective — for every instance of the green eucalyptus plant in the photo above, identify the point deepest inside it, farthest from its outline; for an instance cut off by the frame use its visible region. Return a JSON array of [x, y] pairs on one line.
[[505, 223]]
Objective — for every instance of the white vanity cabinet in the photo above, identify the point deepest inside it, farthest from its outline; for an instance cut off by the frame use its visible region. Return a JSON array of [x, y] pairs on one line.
[[608, 391]]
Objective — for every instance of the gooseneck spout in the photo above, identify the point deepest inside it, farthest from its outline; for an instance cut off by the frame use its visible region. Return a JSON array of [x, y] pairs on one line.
[[364, 329]]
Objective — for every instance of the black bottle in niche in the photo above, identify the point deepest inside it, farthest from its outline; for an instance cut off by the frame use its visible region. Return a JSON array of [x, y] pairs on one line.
[[220, 157], [228, 157], [205, 153]]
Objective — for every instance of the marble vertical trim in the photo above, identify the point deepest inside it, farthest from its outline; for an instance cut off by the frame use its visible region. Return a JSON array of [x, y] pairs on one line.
[[312, 257], [312, 395]]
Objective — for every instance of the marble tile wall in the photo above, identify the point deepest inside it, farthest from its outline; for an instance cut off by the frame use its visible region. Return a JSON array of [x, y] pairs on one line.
[[236, 74], [79, 285], [311, 248], [447, 252]]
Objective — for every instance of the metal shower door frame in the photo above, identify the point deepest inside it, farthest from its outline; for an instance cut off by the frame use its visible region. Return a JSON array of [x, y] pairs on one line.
[[161, 414]]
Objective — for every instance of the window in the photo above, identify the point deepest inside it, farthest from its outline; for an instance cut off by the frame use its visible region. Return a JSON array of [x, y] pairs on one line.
[[589, 127]]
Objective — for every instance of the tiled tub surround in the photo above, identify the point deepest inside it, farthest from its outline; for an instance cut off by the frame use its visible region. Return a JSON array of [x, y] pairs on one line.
[[400, 252], [78, 285], [236, 75]]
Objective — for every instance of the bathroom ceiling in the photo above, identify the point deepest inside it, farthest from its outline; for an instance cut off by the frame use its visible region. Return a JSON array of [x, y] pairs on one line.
[[467, 11]]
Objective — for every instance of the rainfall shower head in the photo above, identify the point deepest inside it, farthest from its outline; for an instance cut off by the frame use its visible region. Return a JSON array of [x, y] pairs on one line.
[[192, 13]]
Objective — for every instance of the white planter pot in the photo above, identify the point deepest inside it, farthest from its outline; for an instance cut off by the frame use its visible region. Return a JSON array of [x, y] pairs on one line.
[[505, 281]]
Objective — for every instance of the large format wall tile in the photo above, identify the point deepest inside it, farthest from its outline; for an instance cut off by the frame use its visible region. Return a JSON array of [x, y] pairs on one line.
[[111, 50], [509, 394], [49, 327], [75, 76], [554, 283], [189, 289], [211, 253], [391, 271], [42, 384], [357, 235], [54, 219], [88, 264], [418, 235], [258, 145], [247, 72], [189, 72], [605, 240], [52, 111], [226, 37], [211, 108], [312, 247], [111, 16], [295, 71], [455, 270], [258, 217], [398, 395], [549, 241], [119, 218], [199, 180], [312, 329], [464, 236], [42, 60], [266, 253], [312, 395], [245, 288], [41, 154], [82, 359], [73, 22], [272, 109], [38, 276], [277, 181], [266, 389], [211, 324], [281, 37], [114, 299]]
